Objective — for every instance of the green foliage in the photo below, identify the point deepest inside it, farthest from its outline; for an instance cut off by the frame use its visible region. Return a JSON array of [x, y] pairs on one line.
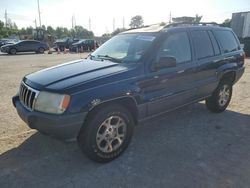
[[136, 21], [226, 23], [81, 32], [58, 32], [6, 31], [117, 31], [77, 32], [188, 19]]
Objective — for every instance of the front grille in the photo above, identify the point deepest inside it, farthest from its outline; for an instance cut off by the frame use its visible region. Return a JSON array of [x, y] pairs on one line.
[[27, 96]]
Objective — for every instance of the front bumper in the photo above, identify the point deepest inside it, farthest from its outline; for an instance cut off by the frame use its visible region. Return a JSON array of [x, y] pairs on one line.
[[63, 126], [4, 50]]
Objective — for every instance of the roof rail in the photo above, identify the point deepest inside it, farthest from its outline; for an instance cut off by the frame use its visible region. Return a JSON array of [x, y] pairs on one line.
[[192, 24]]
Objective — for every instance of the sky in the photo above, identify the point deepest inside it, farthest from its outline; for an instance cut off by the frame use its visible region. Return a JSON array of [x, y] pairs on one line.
[[103, 13]]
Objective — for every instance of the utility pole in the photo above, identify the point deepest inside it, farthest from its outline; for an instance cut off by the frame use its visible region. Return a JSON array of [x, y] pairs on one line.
[[170, 18], [72, 21], [6, 18], [39, 13], [113, 24], [123, 23], [89, 24], [35, 23]]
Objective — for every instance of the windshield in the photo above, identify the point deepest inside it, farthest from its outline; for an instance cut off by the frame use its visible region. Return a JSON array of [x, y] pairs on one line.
[[125, 47]]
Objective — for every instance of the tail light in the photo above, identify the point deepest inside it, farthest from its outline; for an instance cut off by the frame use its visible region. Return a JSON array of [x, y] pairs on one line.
[[242, 58]]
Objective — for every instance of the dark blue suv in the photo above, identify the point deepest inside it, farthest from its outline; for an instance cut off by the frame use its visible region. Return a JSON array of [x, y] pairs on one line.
[[132, 77]]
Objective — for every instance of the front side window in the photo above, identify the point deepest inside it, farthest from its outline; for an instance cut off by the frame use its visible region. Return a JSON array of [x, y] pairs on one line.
[[227, 41], [125, 47], [176, 45], [202, 43]]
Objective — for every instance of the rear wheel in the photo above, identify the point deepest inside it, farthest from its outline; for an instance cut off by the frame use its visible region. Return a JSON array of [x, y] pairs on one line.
[[221, 97], [41, 50], [107, 133], [12, 51]]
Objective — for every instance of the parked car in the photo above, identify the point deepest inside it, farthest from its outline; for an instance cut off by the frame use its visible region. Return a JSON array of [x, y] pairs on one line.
[[7, 41], [84, 45], [25, 46], [134, 76], [64, 43]]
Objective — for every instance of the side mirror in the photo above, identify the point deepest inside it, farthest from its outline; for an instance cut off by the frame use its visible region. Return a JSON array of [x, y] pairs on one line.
[[165, 62]]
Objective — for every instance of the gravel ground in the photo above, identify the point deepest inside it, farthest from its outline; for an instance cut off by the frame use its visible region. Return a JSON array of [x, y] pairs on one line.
[[189, 147]]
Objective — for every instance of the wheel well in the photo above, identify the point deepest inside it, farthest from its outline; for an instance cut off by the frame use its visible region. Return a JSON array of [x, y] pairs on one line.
[[229, 76], [12, 48], [128, 102]]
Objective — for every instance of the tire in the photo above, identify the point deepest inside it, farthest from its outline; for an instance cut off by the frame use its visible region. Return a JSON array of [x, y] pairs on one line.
[[13, 51], [41, 50], [61, 48], [220, 98], [106, 133]]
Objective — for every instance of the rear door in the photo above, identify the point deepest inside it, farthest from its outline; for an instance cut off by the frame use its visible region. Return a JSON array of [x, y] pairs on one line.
[[34, 45], [170, 88], [207, 56]]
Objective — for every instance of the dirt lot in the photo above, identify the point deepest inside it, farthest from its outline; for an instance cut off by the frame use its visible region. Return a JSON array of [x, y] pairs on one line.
[[190, 147]]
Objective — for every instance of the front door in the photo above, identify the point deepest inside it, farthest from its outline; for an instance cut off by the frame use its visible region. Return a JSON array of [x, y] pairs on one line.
[[171, 87]]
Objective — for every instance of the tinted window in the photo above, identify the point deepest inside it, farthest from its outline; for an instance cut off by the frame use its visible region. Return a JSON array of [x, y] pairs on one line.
[[215, 43], [178, 46], [202, 44], [33, 42], [227, 41]]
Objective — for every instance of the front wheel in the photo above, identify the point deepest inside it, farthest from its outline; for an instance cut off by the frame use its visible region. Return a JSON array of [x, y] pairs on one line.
[[220, 98], [12, 51], [106, 133]]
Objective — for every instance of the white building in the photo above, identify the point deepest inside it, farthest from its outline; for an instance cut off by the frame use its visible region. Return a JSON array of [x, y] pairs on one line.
[[241, 24]]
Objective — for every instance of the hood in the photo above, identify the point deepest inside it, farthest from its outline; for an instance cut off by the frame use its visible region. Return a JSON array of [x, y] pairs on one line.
[[8, 45], [72, 73]]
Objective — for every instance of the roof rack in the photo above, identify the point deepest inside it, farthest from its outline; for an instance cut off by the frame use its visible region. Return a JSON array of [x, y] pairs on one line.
[[192, 24]]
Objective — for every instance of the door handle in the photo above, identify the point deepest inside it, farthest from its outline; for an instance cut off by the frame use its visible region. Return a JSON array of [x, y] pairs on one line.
[[181, 71]]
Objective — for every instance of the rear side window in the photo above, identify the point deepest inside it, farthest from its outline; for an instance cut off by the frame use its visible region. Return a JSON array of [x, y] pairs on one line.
[[227, 41], [178, 46], [203, 45], [215, 43]]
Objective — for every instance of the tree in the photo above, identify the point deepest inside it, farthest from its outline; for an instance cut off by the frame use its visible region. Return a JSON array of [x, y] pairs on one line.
[[187, 19], [15, 26], [136, 22], [226, 23], [81, 32], [59, 32], [50, 30], [197, 18], [117, 31]]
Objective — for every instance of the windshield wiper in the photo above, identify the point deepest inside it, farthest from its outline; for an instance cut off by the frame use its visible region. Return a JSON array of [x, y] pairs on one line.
[[107, 57]]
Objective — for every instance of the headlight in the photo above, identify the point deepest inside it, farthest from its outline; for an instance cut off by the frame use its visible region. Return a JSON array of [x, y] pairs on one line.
[[51, 102]]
